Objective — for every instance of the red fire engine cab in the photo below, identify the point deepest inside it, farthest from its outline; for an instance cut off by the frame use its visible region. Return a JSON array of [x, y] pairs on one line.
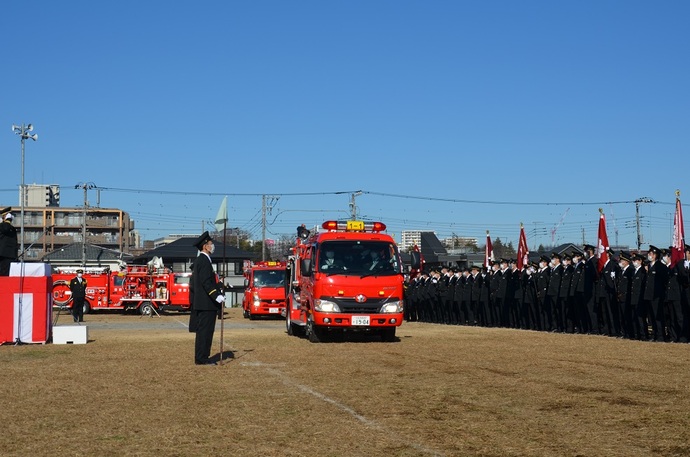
[[264, 289], [346, 277], [137, 287]]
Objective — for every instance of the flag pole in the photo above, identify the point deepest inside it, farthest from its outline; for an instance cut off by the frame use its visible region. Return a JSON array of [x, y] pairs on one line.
[[222, 305]]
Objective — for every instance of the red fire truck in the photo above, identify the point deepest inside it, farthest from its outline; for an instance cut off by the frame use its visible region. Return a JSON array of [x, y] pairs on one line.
[[264, 289], [346, 277], [137, 287]]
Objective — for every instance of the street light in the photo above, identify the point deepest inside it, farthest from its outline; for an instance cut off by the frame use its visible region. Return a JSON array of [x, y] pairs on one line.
[[86, 186], [23, 132]]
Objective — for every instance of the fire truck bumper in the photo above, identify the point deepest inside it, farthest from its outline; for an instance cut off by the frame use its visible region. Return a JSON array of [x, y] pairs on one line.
[[358, 320]]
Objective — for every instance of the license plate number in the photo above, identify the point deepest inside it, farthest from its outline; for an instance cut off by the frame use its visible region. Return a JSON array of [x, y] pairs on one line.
[[360, 320], [274, 310]]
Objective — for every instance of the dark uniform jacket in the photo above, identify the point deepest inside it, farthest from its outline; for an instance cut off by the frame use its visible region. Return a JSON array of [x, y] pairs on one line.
[[8, 241], [204, 288], [673, 285], [625, 282], [637, 288], [555, 278], [657, 275], [77, 288]]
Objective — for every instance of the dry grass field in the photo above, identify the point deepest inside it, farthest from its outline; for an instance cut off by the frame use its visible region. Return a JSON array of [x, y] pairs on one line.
[[438, 391]]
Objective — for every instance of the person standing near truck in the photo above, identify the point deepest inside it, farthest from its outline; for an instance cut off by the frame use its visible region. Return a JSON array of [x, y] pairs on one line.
[[206, 299], [78, 288]]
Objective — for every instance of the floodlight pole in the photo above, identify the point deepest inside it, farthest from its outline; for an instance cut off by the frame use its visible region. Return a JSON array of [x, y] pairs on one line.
[[23, 132]]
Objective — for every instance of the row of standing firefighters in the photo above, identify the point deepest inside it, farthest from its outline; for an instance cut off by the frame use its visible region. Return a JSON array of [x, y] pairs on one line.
[[633, 296]]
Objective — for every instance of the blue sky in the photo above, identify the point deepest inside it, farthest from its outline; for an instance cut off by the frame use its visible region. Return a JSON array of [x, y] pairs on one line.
[[453, 116]]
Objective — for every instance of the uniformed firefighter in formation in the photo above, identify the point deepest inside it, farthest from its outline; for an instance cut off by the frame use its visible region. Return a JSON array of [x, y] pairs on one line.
[[633, 295]]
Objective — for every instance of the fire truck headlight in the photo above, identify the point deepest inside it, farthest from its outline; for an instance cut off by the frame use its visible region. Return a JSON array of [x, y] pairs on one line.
[[392, 307], [325, 306]]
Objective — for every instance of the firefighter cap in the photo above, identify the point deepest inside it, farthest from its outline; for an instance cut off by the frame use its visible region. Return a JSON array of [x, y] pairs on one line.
[[203, 239], [79, 270]]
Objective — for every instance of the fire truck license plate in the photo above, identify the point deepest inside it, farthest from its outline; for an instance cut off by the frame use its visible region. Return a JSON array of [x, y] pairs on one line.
[[273, 310], [360, 320]]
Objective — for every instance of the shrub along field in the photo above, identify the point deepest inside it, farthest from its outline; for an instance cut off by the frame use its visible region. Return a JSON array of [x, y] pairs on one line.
[[437, 391]]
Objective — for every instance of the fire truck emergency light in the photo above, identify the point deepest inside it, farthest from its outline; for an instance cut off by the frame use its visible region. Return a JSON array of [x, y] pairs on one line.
[[354, 226]]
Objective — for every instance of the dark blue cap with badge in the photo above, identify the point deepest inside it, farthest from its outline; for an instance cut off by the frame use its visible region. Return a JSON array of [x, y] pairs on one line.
[[203, 239]]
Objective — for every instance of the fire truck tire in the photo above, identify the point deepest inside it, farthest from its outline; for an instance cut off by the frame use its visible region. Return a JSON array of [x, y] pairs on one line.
[[60, 295], [288, 324], [87, 307], [314, 333], [251, 316], [388, 334], [146, 308], [245, 313]]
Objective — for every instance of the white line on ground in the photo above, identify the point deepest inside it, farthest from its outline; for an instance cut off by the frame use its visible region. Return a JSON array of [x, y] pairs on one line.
[[306, 389]]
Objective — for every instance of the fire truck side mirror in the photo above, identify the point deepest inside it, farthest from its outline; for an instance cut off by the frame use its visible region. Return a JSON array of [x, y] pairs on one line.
[[246, 283], [305, 267], [415, 260]]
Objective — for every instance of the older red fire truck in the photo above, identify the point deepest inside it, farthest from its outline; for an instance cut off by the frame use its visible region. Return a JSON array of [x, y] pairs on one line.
[[346, 277], [264, 289], [144, 288]]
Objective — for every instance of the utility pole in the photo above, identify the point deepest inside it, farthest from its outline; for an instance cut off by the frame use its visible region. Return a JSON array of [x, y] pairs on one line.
[[86, 186], [637, 218], [265, 208], [353, 204]]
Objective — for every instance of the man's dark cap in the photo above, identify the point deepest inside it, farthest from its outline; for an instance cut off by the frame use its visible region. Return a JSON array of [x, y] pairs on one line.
[[576, 253], [80, 270], [687, 248], [203, 239], [589, 247], [5, 210], [625, 256], [654, 249], [555, 255], [545, 259], [567, 256], [665, 252], [638, 256], [475, 267]]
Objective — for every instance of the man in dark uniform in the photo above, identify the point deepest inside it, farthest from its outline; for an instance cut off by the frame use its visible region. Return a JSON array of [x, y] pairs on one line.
[[591, 286], [78, 288], [685, 295], [637, 304], [624, 289], [529, 297], [566, 304], [8, 242], [554, 313], [673, 296], [206, 299], [484, 280], [657, 275], [542, 284], [608, 297]]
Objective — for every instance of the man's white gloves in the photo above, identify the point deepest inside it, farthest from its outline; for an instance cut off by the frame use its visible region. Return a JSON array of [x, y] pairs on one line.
[[220, 298]]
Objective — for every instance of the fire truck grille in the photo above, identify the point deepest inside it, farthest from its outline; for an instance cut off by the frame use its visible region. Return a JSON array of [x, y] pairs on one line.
[[349, 305]]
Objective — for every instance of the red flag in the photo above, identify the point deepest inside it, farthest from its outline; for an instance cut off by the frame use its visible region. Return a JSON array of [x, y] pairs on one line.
[[678, 248], [602, 243], [523, 251], [489, 252]]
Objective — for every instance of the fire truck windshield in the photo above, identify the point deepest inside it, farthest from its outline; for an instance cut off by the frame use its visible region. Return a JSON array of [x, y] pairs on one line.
[[269, 278], [358, 258]]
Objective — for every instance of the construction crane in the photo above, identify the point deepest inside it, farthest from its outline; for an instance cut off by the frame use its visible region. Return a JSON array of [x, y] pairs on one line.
[[553, 230]]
